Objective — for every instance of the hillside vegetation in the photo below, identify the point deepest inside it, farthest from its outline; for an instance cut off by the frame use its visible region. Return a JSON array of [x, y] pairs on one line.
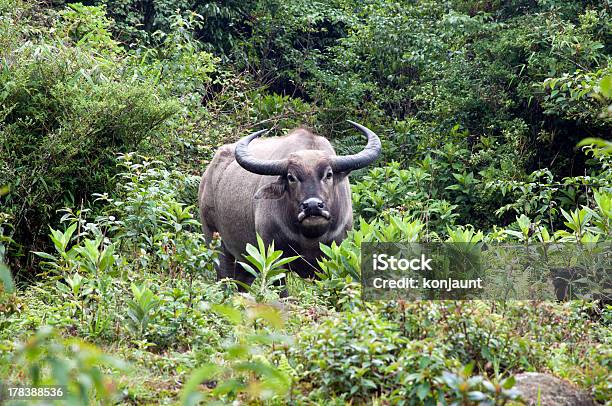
[[495, 119]]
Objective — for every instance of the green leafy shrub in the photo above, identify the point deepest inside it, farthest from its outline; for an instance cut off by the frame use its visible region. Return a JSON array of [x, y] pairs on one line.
[[83, 271], [405, 191], [219, 24], [269, 271], [47, 359], [465, 389], [246, 373], [281, 111], [9, 302], [355, 357], [145, 232], [345, 259], [89, 257], [153, 217], [177, 64], [89, 28], [460, 90], [141, 309], [593, 371], [287, 38], [66, 112], [360, 356], [579, 95]]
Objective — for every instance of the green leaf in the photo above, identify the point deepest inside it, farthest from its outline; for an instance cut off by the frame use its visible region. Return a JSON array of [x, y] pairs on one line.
[[605, 84], [268, 313], [273, 257], [476, 396], [261, 245], [201, 374], [45, 255], [467, 370], [249, 269], [508, 382], [423, 390], [246, 287], [287, 260], [228, 386], [276, 277], [6, 279], [68, 235], [257, 258], [514, 233], [107, 258], [231, 313], [598, 142], [237, 351], [267, 371], [325, 250]]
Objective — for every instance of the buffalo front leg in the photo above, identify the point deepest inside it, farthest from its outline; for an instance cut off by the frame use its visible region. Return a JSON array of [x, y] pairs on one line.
[[229, 268]]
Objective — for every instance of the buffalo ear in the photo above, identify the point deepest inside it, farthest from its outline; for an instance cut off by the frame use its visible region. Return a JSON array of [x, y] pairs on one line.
[[272, 190]]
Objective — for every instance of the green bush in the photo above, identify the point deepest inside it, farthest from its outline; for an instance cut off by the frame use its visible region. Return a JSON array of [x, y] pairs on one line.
[[218, 27], [405, 191], [46, 359], [246, 373], [66, 112], [360, 356], [356, 356], [146, 233], [153, 216]]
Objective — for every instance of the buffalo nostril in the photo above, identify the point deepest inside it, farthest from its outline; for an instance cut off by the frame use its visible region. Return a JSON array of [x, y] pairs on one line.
[[312, 204]]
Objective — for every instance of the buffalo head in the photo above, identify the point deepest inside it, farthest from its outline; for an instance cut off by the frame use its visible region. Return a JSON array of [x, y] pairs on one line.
[[307, 179]]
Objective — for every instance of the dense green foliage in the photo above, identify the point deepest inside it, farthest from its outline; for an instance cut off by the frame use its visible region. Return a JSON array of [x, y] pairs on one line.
[[66, 112], [110, 111]]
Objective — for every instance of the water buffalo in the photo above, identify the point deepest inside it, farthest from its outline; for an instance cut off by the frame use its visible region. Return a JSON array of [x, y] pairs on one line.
[[292, 190]]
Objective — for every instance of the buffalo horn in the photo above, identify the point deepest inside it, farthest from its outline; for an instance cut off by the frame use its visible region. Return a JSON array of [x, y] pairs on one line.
[[361, 159], [255, 165]]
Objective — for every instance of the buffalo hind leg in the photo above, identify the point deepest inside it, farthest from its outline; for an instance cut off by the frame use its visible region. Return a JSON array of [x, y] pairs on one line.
[[228, 268]]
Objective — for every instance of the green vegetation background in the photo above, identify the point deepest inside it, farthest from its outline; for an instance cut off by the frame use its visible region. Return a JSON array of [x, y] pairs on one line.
[[110, 111]]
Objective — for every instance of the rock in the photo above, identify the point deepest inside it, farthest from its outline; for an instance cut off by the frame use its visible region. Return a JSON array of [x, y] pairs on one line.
[[552, 391]]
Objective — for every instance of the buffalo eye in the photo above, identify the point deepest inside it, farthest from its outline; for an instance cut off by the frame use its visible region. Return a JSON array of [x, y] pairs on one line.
[[291, 178], [329, 175]]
